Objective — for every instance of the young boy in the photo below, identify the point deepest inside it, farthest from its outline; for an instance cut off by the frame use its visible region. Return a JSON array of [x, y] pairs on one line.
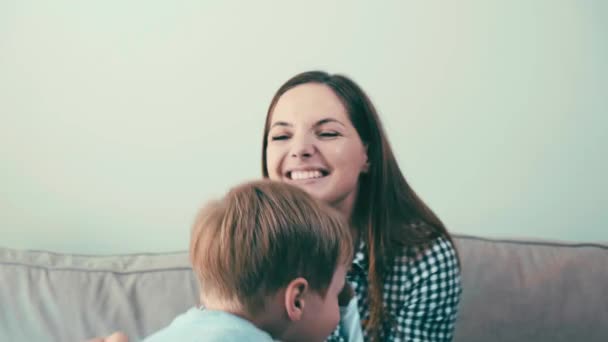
[[271, 262]]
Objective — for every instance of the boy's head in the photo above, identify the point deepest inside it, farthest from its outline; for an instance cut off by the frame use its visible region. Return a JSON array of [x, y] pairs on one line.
[[269, 251]]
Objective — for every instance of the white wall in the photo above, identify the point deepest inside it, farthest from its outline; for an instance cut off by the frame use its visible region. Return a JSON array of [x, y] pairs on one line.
[[119, 118]]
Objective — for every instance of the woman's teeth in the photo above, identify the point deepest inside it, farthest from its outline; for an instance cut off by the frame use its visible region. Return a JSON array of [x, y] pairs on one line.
[[300, 175]]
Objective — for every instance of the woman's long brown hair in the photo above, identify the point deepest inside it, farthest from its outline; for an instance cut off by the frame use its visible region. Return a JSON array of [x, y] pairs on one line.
[[387, 212]]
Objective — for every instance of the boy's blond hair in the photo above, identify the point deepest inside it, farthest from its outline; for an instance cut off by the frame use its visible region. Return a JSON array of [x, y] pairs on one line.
[[262, 235]]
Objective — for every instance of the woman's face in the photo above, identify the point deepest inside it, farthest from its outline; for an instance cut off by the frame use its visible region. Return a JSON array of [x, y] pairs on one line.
[[313, 145]]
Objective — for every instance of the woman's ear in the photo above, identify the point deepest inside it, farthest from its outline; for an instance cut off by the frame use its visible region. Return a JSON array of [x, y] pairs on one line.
[[365, 167], [294, 298]]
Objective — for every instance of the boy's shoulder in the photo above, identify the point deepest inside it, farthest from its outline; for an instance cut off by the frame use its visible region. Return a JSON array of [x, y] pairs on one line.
[[209, 325]]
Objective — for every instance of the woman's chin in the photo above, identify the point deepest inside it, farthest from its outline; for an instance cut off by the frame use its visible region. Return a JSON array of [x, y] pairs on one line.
[[313, 189]]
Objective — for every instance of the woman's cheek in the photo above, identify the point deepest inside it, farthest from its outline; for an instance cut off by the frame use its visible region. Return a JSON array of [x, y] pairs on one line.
[[271, 163]]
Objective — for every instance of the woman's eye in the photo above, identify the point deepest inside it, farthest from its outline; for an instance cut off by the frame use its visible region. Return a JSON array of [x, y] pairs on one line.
[[329, 134], [279, 137]]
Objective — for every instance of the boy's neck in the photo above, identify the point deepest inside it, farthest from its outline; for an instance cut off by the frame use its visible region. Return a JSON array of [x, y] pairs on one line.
[[267, 320]]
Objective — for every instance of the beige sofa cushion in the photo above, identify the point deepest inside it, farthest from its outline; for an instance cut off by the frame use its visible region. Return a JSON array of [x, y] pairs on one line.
[[513, 291]]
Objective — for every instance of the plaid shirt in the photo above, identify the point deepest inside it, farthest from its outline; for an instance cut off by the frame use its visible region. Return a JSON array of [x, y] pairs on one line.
[[421, 293]]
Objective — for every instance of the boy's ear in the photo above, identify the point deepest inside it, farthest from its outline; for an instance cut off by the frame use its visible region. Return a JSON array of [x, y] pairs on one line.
[[294, 298]]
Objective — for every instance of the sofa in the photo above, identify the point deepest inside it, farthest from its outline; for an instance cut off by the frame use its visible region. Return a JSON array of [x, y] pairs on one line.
[[514, 290]]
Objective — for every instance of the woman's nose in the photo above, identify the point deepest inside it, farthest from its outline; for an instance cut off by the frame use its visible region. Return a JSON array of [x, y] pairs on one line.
[[302, 148]]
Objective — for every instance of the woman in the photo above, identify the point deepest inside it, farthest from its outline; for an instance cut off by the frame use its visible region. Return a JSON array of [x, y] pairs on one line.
[[323, 134]]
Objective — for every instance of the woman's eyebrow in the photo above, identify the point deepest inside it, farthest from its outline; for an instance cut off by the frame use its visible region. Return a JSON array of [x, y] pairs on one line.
[[281, 123], [317, 124], [328, 120]]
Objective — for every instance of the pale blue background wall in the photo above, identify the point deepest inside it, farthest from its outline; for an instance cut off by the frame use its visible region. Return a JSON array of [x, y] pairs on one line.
[[119, 118]]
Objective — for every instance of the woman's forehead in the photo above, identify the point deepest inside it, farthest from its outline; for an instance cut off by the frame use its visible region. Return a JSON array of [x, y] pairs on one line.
[[307, 104]]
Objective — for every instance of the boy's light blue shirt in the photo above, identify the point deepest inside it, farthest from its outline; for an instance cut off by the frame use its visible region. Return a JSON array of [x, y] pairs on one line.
[[209, 325], [212, 325]]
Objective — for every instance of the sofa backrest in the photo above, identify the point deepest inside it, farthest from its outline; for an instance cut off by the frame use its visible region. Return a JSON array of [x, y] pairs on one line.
[[55, 297], [513, 291], [532, 291]]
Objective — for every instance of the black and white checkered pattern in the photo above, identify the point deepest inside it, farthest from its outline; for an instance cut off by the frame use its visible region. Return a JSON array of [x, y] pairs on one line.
[[421, 293]]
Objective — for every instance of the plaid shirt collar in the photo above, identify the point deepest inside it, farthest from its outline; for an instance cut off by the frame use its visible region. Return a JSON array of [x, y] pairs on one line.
[[360, 259]]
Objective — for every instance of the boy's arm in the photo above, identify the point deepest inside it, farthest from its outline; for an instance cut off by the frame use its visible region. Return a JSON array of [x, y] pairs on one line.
[[115, 337]]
